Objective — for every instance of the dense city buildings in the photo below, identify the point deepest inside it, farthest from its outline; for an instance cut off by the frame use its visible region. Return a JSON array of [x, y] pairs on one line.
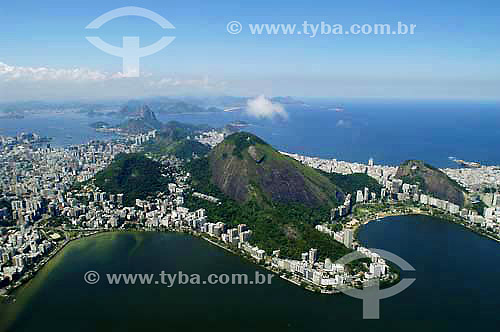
[[378, 172], [481, 182], [44, 205], [211, 138], [47, 198]]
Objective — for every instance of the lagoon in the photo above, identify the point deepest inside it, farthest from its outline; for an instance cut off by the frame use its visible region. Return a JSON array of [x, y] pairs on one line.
[[456, 286]]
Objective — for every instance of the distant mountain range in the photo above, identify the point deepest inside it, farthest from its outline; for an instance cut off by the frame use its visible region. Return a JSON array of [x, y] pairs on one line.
[[130, 108], [164, 106]]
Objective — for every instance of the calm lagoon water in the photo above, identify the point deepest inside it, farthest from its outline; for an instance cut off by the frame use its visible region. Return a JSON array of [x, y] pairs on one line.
[[457, 276]]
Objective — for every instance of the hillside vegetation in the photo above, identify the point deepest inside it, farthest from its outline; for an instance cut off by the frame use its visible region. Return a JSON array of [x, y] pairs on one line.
[[288, 227], [246, 168], [280, 199], [134, 175], [351, 183], [183, 149], [175, 139], [431, 181]]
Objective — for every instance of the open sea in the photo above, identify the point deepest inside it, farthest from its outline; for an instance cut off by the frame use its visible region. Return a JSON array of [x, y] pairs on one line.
[[388, 131]]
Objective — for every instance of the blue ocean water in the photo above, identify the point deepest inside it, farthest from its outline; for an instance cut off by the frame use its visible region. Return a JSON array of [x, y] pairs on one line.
[[65, 129], [390, 131]]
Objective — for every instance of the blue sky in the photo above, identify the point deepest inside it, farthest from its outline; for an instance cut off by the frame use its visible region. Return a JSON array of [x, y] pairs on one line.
[[454, 53]]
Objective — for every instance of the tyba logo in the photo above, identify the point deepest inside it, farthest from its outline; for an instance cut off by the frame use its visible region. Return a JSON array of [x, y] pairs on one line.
[[131, 52]]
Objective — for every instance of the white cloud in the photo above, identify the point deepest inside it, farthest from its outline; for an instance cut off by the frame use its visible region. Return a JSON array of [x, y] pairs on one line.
[[262, 107], [203, 83], [15, 73], [12, 73], [24, 83]]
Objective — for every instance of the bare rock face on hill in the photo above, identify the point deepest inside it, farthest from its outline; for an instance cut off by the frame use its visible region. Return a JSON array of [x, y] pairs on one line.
[[244, 167], [431, 181]]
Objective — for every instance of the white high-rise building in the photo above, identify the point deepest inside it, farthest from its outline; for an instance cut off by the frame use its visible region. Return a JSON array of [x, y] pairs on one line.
[[489, 212], [347, 237], [232, 233], [496, 200], [359, 197], [313, 255], [328, 264]]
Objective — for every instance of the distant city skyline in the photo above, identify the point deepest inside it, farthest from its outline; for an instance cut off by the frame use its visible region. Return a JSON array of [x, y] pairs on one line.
[[454, 53]]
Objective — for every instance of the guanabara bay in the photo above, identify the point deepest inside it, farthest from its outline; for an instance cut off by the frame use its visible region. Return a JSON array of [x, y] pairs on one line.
[[249, 166]]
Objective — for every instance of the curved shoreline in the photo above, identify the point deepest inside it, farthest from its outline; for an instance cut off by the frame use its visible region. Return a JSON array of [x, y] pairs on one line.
[[11, 292], [32, 273], [356, 226]]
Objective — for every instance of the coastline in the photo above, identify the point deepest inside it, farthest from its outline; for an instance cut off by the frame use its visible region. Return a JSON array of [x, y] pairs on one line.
[[9, 290], [452, 219], [354, 224], [265, 267], [9, 293]]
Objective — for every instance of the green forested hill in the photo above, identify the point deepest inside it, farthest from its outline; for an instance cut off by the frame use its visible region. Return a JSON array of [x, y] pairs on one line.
[[351, 183], [288, 227], [134, 175], [175, 139], [246, 168], [183, 149], [431, 181], [280, 199]]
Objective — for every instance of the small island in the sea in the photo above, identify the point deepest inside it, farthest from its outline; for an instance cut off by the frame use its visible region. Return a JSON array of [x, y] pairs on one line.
[[99, 125], [239, 123]]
